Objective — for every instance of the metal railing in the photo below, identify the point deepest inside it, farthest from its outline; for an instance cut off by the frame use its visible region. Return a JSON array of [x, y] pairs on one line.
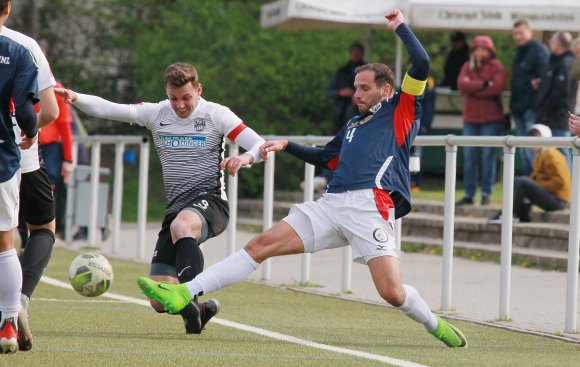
[[96, 141], [450, 142]]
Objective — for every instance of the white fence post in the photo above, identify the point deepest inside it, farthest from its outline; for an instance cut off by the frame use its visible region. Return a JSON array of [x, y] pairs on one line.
[[234, 150], [308, 196], [506, 232], [399, 232], [95, 179], [70, 191], [346, 283], [573, 247], [268, 206], [142, 197], [448, 224], [117, 196]]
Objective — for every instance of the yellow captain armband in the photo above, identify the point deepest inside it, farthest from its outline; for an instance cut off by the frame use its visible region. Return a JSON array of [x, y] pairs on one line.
[[413, 86]]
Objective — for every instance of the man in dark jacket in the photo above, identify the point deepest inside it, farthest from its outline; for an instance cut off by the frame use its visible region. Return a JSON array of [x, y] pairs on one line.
[[457, 56], [529, 64], [341, 87], [557, 93]]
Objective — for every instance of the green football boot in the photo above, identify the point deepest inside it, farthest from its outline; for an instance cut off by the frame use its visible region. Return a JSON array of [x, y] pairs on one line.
[[173, 297], [449, 334]]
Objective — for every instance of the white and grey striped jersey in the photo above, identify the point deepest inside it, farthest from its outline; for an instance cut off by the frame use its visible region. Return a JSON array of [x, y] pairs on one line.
[[191, 149]]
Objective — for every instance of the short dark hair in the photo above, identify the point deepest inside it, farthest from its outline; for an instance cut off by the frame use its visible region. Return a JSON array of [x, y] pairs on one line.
[[357, 45], [521, 22], [179, 74], [564, 38], [383, 73], [4, 4]]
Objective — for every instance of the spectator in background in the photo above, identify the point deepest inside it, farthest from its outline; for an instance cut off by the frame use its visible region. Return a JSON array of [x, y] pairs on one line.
[[575, 73], [557, 90], [481, 81], [529, 64], [341, 90], [427, 115], [574, 124], [341, 87], [456, 57], [56, 148], [549, 186]]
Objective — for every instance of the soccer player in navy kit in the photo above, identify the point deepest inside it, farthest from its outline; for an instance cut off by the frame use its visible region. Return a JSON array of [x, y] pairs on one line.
[[370, 188], [17, 88]]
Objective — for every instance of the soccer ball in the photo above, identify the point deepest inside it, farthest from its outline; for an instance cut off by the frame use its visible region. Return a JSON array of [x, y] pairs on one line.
[[90, 274]]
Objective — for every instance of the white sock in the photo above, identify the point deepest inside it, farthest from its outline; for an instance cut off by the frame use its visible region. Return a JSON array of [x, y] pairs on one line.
[[11, 284], [230, 270], [416, 308]]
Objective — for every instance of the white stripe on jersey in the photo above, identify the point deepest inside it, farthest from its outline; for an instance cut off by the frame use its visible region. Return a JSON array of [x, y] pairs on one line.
[[382, 172]]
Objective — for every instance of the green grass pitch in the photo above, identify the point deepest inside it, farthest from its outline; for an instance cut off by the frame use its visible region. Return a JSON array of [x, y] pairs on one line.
[[70, 330]]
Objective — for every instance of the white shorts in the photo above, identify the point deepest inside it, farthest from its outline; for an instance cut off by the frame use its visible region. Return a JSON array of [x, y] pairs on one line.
[[9, 196], [363, 219]]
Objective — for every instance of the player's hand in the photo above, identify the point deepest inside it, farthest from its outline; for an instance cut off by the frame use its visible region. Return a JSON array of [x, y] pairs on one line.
[[68, 95], [65, 171], [574, 123], [272, 146], [27, 142], [395, 19], [535, 83], [233, 164]]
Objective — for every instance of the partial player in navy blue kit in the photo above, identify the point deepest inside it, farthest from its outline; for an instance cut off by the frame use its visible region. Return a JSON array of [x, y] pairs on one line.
[[18, 91], [370, 187]]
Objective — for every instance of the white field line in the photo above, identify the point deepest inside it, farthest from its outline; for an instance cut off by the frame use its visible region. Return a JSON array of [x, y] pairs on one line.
[[259, 331], [61, 300]]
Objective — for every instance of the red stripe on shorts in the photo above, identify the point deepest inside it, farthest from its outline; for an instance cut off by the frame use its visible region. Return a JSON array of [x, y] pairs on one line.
[[235, 132], [384, 202]]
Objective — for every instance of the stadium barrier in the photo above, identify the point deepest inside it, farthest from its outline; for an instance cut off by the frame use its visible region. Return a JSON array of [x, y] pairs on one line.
[[451, 143], [119, 141]]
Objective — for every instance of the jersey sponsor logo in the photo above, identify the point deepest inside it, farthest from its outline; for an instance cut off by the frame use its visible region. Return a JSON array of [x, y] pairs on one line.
[[199, 124], [360, 122], [5, 60], [380, 235], [182, 141]]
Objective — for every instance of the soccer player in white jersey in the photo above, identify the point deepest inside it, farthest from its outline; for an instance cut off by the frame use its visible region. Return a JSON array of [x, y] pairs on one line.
[[36, 198], [188, 134], [369, 189], [18, 93]]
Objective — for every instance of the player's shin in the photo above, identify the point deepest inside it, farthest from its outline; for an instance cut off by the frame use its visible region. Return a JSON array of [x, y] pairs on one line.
[[35, 258], [231, 270], [188, 259], [417, 309]]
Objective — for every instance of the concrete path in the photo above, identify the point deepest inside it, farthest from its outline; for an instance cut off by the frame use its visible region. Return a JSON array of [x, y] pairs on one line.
[[538, 298]]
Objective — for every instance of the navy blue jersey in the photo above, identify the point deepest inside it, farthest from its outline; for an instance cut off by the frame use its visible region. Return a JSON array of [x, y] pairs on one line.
[[18, 74], [372, 150]]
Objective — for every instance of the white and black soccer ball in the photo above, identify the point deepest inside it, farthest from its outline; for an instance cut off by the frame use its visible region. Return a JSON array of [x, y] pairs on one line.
[[90, 274]]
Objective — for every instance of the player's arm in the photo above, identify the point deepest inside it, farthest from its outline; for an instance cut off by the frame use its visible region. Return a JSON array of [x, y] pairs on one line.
[[416, 77], [248, 139], [97, 106], [25, 95], [326, 156], [48, 107]]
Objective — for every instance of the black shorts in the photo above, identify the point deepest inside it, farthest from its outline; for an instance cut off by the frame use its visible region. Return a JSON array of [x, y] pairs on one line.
[[36, 200], [214, 213]]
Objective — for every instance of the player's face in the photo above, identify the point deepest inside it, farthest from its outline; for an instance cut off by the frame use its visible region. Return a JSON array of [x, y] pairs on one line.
[[183, 99], [367, 92]]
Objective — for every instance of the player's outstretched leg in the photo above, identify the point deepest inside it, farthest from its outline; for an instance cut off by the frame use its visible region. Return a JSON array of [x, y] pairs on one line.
[[449, 334], [173, 297]]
